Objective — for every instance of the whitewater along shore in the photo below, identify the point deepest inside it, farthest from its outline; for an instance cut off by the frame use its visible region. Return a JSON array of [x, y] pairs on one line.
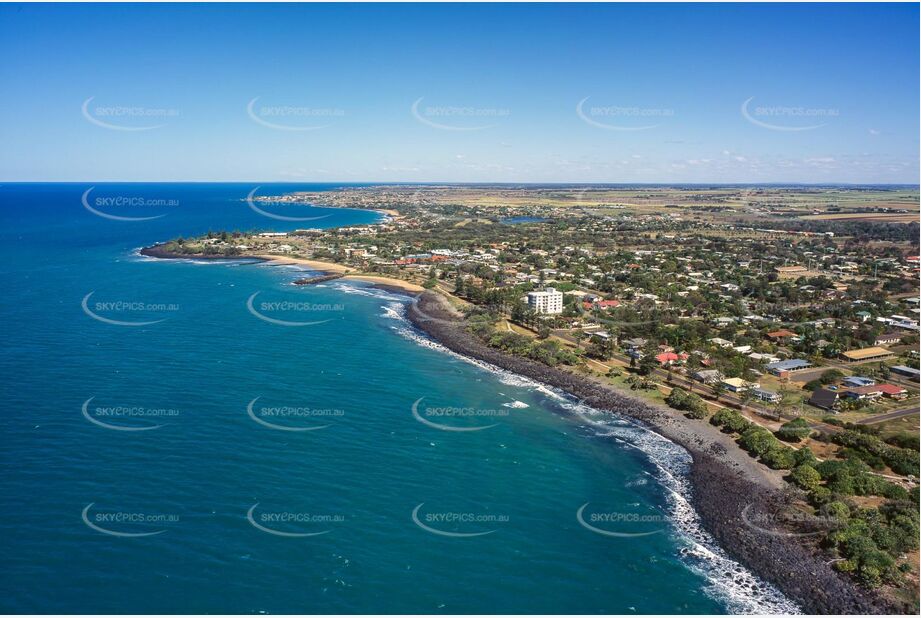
[[730, 489], [330, 270]]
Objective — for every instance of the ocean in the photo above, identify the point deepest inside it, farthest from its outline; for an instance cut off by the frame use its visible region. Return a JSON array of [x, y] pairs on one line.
[[172, 443]]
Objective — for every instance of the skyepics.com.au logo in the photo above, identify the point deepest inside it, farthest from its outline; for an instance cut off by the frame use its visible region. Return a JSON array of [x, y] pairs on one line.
[[622, 118], [620, 524], [107, 206], [283, 418], [127, 418], [432, 308], [251, 200], [126, 524], [101, 310], [292, 117], [268, 310], [428, 309], [457, 524], [457, 117], [791, 522], [292, 524], [428, 415], [127, 117], [787, 117]]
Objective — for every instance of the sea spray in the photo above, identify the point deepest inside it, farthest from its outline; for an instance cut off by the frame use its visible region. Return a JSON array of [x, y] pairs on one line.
[[729, 582]]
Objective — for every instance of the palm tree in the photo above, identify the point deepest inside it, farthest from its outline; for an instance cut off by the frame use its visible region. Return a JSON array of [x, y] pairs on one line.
[[746, 397], [718, 389]]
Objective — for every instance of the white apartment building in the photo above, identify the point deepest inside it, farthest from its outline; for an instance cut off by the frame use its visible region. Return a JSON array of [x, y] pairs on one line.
[[546, 301]]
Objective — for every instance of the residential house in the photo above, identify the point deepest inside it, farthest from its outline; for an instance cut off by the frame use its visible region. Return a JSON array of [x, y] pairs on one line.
[[824, 399], [784, 369], [738, 385], [863, 392], [892, 391], [888, 339], [858, 381], [782, 335], [666, 359], [765, 395], [707, 376]]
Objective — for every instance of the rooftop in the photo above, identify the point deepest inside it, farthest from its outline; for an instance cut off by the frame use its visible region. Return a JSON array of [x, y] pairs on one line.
[[789, 365], [866, 353]]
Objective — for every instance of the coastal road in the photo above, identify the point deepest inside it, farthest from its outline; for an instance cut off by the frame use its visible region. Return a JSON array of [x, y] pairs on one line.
[[888, 416]]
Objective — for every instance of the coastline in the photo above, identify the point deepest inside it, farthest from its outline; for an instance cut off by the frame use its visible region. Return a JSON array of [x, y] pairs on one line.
[[382, 281], [728, 487]]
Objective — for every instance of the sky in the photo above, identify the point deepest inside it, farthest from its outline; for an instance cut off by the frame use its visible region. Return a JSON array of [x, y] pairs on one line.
[[661, 93]]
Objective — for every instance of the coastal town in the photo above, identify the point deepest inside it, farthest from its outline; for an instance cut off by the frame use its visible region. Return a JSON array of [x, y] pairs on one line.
[[786, 317]]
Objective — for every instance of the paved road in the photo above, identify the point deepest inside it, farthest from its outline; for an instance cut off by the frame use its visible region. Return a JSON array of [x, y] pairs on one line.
[[888, 416]]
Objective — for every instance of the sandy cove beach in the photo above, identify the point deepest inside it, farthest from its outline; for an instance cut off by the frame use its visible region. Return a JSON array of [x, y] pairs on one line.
[[391, 283], [329, 267], [729, 488], [333, 268]]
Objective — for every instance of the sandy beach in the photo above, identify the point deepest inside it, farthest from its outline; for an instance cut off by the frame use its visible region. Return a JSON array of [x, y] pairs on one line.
[[332, 267], [388, 282], [327, 267]]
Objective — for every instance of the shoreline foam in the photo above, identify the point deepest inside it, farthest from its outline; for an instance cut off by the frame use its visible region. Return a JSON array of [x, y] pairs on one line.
[[390, 283], [740, 590], [723, 480]]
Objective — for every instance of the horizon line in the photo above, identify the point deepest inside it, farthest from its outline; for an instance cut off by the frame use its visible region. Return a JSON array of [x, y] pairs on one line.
[[831, 183]]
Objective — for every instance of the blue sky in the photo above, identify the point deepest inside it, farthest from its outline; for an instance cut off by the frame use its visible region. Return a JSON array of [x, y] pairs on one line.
[[460, 93]]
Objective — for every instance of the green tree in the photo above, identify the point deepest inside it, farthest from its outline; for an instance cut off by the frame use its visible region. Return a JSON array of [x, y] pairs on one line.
[[796, 430], [806, 477]]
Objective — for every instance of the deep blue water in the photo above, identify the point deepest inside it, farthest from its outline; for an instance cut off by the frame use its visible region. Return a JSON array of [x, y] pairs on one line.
[[514, 220], [70, 480]]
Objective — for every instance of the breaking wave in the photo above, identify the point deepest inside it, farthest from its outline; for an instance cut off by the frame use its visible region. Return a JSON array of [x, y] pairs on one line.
[[728, 581]]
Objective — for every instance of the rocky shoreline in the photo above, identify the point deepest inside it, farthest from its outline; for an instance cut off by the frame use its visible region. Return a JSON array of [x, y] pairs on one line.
[[159, 251], [726, 481]]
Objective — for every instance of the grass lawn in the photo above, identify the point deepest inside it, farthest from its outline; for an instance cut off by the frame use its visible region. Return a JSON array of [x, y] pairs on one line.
[[906, 423]]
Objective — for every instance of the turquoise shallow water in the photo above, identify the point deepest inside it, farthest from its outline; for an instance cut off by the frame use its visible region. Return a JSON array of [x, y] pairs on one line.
[[331, 525]]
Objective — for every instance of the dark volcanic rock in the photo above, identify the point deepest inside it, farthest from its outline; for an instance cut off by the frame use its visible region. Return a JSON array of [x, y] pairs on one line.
[[725, 482]]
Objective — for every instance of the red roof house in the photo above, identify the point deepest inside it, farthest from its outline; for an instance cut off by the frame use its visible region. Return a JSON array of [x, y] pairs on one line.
[[893, 391], [781, 334]]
